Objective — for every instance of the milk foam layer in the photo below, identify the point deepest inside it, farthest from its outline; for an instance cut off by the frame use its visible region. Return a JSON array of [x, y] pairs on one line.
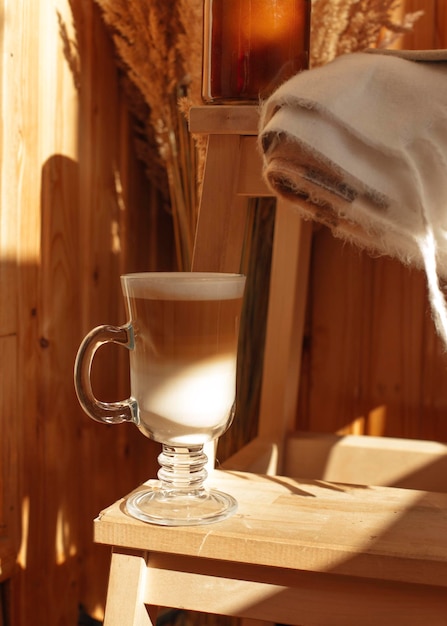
[[183, 285]]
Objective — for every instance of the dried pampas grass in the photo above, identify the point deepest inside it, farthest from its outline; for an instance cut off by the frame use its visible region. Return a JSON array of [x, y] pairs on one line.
[[342, 26], [159, 47]]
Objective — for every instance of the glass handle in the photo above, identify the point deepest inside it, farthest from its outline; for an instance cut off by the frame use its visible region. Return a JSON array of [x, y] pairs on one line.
[[106, 412]]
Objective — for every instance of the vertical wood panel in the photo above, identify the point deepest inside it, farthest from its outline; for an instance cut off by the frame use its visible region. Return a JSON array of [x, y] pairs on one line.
[[430, 30], [372, 362], [76, 212], [8, 456], [9, 420]]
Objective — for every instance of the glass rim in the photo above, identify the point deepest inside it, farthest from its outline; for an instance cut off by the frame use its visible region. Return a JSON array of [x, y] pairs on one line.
[[200, 276], [183, 285]]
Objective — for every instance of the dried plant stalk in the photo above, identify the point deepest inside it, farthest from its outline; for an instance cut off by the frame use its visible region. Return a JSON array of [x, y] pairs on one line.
[[159, 44], [342, 26]]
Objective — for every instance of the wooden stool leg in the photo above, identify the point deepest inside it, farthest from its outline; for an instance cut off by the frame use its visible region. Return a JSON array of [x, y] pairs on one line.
[[285, 326], [222, 216], [125, 605], [222, 219]]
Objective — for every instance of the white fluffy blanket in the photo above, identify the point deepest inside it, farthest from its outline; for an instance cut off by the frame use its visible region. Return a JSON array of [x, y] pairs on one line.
[[360, 144]]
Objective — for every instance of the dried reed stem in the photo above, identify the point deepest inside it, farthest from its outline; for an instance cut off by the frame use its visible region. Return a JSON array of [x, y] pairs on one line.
[[342, 26], [159, 45]]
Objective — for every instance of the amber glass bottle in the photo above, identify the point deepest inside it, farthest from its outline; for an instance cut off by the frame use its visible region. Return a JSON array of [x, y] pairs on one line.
[[251, 46]]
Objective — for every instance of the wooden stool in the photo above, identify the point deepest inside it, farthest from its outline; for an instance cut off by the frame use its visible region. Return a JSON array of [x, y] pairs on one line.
[[296, 552], [232, 175]]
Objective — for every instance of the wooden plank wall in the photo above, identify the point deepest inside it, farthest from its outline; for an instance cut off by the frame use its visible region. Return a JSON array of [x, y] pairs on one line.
[[372, 362], [76, 211]]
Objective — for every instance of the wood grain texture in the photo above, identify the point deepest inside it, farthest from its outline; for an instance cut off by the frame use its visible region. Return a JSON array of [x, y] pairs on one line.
[[430, 31], [302, 551], [77, 210], [372, 362], [226, 119], [372, 532], [290, 597], [222, 216]]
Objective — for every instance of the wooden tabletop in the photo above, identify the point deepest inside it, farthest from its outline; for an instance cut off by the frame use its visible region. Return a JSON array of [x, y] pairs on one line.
[[373, 532]]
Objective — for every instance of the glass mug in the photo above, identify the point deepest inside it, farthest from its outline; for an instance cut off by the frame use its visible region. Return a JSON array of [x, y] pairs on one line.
[[182, 337]]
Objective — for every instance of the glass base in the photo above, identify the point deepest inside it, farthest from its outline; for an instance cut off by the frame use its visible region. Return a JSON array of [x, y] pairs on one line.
[[155, 505]]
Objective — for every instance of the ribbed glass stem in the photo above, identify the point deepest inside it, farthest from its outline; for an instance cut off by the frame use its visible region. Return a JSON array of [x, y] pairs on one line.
[[182, 468]]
